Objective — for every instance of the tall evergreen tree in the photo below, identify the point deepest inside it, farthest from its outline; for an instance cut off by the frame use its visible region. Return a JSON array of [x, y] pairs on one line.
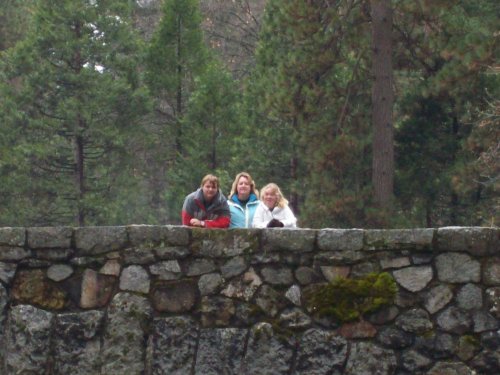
[[15, 16], [313, 79], [382, 103], [176, 55], [74, 88], [212, 124], [445, 51]]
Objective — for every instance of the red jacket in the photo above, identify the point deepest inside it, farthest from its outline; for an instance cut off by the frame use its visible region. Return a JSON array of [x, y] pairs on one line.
[[215, 215]]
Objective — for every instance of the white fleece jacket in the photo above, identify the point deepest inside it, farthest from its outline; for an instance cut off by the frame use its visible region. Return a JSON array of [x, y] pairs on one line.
[[263, 215]]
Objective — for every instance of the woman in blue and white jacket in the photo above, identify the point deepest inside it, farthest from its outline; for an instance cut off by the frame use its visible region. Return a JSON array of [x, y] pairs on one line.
[[243, 201]]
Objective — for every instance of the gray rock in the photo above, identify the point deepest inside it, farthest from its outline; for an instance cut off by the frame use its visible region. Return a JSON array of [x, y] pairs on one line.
[[209, 283], [297, 240], [487, 362], [135, 279], [234, 267], [112, 267], [491, 340], [493, 301], [269, 300], [53, 254], [172, 345], [413, 361], [470, 297], [229, 243], [345, 257], [277, 275], [138, 255], [491, 272], [340, 239], [450, 368], [294, 295], [12, 236], [422, 258], [124, 334], [49, 237], [415, 321], [414, 279], [405, 298], [457, 268], [454, 320], [217, 311], [265, 258], [59, 272], [437, 298], [467, 347], [398, 262], [7, 271], [12, 253], [266, 353], [394, 338], [307, 275], [171, 252], [436, 345], [156, 235], [99, 240], [76, 342], [474, 240], [320, 352], [201, 266], [384, 315], [175, 296], [368, 359], [220, 351], [175, 235], [295, 318], [330, 273], [4, 299], [243, 287], [166, 270], [362, 269], [399, 239], [27, 336], [483, 321]]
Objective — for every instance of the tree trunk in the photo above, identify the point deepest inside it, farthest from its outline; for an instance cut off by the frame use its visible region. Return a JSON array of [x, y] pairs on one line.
[[382, 103], [79, 179], [179, 87]]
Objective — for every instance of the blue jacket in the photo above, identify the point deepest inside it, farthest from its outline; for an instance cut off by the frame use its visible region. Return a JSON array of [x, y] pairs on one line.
[[242, 217]]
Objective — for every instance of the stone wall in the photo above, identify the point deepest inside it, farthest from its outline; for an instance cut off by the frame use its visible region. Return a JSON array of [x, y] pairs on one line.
[[174, 300]]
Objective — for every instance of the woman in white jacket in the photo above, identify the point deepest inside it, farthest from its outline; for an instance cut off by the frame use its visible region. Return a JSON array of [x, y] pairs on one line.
[[273, 210]]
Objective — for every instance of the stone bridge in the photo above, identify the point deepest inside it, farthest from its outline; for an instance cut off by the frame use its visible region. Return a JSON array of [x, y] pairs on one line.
[[174, 300]]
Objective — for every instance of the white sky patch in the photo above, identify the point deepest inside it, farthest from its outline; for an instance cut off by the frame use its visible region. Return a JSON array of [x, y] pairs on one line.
[[98, 68]]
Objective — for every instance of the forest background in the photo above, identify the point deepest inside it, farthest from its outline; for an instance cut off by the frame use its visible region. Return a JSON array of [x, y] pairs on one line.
[[111, 111]]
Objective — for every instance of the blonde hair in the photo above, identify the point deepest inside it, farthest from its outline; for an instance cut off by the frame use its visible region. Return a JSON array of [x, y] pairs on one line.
[[234, 187], [281, 202], [210, 178]]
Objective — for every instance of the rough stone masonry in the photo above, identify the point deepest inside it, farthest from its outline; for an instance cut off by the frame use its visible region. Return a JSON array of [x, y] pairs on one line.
[[174, 300]]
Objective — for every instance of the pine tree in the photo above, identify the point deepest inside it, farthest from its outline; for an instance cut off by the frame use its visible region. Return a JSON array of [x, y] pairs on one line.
[[313, 82], [443, 60], [75, 92], [212, 126], [176, 55]]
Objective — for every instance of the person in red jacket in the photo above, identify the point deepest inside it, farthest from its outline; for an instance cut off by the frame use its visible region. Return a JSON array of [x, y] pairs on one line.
[[206, 207]]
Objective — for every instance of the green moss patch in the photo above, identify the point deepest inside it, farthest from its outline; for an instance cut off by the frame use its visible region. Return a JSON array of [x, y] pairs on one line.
[[348, 300]]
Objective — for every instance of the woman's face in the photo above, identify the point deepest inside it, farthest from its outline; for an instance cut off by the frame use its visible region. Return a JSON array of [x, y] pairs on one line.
[[209, 190], [243, 187], [270, 198]]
